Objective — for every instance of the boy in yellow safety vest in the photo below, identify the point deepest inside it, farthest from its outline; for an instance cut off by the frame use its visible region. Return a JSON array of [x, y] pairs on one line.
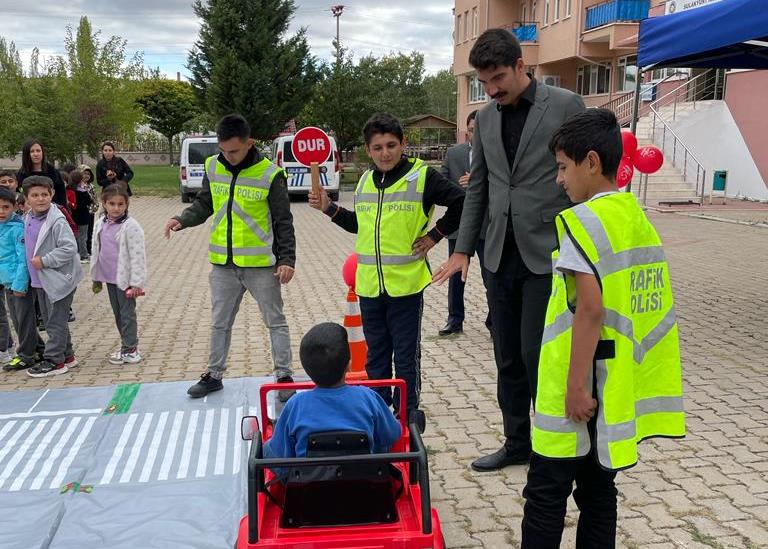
[[609, 369], [393, 207]]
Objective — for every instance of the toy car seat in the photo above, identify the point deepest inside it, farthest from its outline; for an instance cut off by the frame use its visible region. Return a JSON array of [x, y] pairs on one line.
[[340, 495]]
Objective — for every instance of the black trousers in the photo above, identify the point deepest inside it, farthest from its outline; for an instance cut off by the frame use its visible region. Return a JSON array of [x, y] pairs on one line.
[[550, 482], [392, 326], [518, 305], [456, 287]]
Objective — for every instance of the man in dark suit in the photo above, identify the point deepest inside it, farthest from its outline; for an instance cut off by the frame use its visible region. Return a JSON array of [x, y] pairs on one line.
[[455, 167], [512, 181]]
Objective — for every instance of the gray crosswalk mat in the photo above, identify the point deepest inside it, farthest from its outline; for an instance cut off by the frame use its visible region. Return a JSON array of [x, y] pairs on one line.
[[123, 466]]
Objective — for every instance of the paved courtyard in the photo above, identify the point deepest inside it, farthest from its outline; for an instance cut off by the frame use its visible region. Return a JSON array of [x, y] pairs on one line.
[[708, 490]]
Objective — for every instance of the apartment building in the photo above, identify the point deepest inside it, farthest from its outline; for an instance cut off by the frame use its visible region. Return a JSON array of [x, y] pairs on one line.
[[587, 46]]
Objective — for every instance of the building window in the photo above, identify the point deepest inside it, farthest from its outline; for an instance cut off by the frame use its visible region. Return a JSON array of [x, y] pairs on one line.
[[626, 73], [661, 74], [546, 12], [567, 8], [556, 13], [476, 91], [458, 29], [475, 23], [593, 79], [524, 11], [466, 25]]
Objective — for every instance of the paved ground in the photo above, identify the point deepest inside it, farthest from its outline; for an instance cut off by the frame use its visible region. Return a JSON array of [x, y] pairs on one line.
[[709, 490]]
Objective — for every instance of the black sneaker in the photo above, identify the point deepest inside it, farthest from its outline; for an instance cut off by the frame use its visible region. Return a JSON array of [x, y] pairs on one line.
[[17, 363], [284, 394], [206, 385], [71, 315], [46, 368]]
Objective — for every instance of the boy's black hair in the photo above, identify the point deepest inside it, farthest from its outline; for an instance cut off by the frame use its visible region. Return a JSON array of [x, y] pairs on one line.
[[108, 144], [75, 177], [8, 173], [7, 195], [590, 130], [324, 353], [233, 125], [382, 122], [495, 48], [471, 116], [68, 168], [37, 181]]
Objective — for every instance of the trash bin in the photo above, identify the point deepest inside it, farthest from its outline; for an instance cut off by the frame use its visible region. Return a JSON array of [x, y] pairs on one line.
[[719, 181]]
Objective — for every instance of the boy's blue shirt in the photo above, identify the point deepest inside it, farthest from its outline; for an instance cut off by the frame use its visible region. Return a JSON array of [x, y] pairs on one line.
[[14, 273], [345, 408]]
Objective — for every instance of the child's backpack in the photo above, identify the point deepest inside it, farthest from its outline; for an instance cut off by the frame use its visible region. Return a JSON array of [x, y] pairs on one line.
[[68, 216]]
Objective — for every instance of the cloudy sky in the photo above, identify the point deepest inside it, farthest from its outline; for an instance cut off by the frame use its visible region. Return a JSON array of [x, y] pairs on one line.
[[165, 29]]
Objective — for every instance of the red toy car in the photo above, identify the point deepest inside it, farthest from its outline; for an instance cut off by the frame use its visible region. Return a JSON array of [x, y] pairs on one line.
[[340, 495]]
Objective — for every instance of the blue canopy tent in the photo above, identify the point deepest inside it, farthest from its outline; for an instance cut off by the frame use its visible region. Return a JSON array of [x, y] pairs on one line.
[[730, 34]]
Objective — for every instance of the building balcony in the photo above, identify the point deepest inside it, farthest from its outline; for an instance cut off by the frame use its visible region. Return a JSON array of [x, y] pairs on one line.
[[615, 11], [528, 35]]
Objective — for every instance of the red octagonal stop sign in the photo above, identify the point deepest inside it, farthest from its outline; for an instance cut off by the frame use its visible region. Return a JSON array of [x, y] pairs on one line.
[[311, 145]]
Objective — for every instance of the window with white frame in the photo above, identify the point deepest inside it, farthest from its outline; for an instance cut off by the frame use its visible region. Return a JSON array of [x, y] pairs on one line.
[[568, 8], [524, 11], [593, 79], [661, 74], [476, 91], [556, 12], [626, 73], [458, 29], [475, 23], [466, 25], [546, 12]]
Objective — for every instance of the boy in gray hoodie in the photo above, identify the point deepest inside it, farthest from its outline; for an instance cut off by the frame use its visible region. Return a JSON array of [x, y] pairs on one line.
[[54, 271]]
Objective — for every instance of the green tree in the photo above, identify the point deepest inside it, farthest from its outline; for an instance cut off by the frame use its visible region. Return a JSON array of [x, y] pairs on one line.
[[12, 106], [102, 82], [243, 62], [168, 106], [395, 83], [441, 94]]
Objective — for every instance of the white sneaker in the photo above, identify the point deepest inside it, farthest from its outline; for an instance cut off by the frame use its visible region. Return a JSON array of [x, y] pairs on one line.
[[6, 356], [118, 357]]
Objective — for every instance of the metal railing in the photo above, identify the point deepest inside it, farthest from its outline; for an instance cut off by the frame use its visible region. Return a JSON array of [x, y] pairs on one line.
[[623, 105], [525, 31], [705, 86], [615, 11]]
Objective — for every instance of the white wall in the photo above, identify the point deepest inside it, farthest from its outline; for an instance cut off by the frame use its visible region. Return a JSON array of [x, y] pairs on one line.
[[714, 138]]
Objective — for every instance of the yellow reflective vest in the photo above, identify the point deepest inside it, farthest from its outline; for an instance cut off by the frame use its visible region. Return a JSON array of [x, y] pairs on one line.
[[388, 222], [636, 373], [241, 213]]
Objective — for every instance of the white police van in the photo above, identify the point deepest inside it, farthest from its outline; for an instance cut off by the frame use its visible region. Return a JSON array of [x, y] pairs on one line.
[[299, 178], [194, 151]]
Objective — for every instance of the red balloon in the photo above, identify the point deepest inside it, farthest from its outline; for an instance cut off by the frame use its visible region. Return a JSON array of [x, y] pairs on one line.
[[628, 143], [648, 159], [625, 173], [349, 270]]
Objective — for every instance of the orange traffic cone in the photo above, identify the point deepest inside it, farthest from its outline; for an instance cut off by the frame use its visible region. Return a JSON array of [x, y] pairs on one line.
[[358, 349]]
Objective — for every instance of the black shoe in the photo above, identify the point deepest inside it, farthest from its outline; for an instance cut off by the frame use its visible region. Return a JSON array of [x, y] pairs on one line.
[[452, 329], [418, 417], [284, 394], [71, 315], [502, 458], [206, 385]]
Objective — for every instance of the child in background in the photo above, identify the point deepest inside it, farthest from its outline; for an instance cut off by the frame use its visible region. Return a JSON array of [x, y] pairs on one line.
[[87, 184], [54, 271], [81, 212], [332, 405], [119, 261], [13, 266]]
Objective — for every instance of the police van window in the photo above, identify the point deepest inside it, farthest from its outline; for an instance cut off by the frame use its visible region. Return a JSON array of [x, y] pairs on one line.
[[198, 152], [287, 152]]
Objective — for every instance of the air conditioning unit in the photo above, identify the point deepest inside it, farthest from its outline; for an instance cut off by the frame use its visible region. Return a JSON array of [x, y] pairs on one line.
[[551, 80]]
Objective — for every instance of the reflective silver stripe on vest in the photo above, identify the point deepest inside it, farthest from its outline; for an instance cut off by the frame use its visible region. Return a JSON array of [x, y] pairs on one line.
[[388, 259], [250, 251], [623, 325], [556, 424], [610, 262], [265, 237], [411, 194], [261, 183], [627, 430], [561, 324]]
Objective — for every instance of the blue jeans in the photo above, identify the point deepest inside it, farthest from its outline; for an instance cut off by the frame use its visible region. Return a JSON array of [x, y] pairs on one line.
[[392, 325]]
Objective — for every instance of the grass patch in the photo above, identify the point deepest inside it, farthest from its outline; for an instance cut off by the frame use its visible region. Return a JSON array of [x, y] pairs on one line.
[[156, 181], [703, 538]]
